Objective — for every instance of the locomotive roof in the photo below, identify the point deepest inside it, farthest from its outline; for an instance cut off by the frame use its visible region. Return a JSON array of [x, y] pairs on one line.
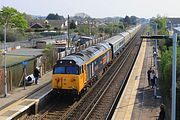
[[87, 54], [114, 39]]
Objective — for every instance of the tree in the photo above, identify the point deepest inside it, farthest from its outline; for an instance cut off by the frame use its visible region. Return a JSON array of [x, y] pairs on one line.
[[50, 55], [121, 26], [133, 20], [161, 26], [126, 21], [83, 29], [166, 77], [28, 17], [15, 22], [72, 25], [12, 18], [161, 21], [52, 16]]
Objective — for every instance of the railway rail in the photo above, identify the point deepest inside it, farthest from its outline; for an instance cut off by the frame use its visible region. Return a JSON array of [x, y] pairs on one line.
[[98, 101], [97, 104], [57, 109]]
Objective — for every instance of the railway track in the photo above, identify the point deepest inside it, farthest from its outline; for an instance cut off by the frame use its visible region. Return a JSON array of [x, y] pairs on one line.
[[97, 103], [56, 110]]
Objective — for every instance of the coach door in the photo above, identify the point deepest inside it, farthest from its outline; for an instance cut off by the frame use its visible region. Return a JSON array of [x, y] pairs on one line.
[[92, 69]]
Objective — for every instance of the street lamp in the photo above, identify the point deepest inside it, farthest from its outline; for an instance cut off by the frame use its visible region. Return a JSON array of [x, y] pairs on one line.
[[5, 50], [173, 111], [5, 72]]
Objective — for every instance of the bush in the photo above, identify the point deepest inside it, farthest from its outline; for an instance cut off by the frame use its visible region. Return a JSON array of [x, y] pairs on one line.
[[12, 36], [166, 76], [49, 33]]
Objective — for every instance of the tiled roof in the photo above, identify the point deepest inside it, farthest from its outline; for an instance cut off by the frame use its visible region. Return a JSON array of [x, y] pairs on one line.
[[53, 23], [174, 20]]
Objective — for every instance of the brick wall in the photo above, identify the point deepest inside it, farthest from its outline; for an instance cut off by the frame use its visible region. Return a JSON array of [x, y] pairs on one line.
[[1, 81]]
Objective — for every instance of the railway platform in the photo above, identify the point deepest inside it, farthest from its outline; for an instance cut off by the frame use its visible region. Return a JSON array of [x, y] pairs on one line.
[[138, 101], [21, 99]]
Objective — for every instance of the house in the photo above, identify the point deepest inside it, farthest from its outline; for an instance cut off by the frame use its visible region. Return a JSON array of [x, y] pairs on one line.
[[176, 30], [36, 25], [173, 24], [43, 23], [41, 44]]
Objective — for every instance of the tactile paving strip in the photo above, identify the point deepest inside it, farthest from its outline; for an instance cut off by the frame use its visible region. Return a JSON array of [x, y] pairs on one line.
[[9, 113]]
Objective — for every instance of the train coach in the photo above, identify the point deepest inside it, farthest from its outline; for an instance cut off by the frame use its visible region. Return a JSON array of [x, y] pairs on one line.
[[117, 44], [75, 72]]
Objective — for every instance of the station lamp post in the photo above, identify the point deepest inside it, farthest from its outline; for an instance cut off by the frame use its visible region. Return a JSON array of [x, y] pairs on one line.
[[5, 50], [5, 71], [173, 110]]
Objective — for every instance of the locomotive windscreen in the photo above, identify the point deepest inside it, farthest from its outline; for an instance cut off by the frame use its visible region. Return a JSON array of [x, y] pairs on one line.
[[66, 70]]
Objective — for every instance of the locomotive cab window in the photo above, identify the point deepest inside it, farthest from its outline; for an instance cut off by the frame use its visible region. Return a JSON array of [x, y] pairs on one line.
[[66, 70], [72, 70], [59, 70]]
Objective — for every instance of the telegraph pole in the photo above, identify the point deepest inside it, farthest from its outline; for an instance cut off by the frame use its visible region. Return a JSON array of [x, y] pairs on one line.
[[155, 57], [68, 33], [173, 106], [155, 61], [5, 50]]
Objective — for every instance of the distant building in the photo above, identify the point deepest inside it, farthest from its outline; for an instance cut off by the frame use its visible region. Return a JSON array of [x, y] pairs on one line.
[[36, 25], [174, 21], [42, 23], [173, 24], [82, 40], [41, 44], [177, 30]]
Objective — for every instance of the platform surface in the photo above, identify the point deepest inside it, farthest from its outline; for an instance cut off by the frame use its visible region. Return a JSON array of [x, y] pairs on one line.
[[20, 100], [137, 101]]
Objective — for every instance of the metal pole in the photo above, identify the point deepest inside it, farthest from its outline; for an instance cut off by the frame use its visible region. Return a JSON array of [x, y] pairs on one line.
[[173, 111], [5, 72], [24, 70], [156, 47], [155, 62], [68, 32]]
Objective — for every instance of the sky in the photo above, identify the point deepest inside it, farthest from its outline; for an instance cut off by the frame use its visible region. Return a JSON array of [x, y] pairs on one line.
[[97, 8]]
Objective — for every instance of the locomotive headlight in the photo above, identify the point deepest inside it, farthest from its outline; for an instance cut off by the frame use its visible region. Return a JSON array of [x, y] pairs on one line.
[[73, 80]]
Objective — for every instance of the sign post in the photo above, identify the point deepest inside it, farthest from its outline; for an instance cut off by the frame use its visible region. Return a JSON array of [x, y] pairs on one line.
[[24, 63]]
